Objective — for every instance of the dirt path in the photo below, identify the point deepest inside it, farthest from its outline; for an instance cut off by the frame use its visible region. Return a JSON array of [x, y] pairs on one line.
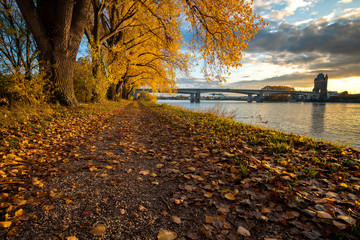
[[141, 175]]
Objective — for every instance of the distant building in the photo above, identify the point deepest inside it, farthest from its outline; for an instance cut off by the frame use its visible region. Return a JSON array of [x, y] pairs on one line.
[[332, 94], [320, 86]]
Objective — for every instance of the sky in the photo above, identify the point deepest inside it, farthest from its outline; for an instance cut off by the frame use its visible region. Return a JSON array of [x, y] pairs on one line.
[[303, 38]]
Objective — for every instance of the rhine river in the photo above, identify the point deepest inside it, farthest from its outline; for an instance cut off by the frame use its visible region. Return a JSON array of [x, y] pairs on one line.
[[335, 122]]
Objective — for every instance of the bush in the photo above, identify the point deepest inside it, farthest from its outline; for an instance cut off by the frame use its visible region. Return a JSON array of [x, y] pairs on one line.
[[146, 96], [84, 81], [16, 88]]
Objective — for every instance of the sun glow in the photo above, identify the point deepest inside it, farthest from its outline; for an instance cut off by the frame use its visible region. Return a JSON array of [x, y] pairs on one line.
[[352, 84]]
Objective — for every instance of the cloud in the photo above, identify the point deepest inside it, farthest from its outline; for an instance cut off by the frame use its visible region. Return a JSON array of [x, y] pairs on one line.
[[346, 1], [339, 37], [328, 45], [281, 8], [290, 9]]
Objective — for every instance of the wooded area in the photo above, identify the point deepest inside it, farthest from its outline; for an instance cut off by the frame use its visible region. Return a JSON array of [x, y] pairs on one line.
[[131, 44]]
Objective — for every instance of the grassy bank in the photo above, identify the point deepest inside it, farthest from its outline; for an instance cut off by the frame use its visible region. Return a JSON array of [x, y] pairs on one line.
[[320, 179], [21, 123]]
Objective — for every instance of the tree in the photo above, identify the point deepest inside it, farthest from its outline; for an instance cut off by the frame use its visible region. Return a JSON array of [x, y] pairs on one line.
[[146, 55], [57, 27], [17, 49], [108, 20], [221, 30], [277, 97]]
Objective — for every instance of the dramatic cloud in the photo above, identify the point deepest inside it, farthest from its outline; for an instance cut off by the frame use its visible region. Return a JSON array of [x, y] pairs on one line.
[[340, 37], [329, 45]]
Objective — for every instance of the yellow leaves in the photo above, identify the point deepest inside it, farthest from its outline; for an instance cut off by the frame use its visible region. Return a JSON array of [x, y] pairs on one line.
[[160, 165], [19, 212], [98, 231], [47, 207], [166, 235], [37, 182], [144, 172], [343, 185], [208, 194], [5, 224], [230, 196]]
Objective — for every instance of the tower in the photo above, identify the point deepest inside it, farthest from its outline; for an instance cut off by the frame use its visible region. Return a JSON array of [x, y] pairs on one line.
[[320, 86]]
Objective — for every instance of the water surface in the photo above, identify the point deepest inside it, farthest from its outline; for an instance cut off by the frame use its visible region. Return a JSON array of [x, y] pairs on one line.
[[335, 122]]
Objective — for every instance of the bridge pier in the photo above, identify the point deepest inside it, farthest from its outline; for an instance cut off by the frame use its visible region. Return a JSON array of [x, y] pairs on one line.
[[294, 97], [197, 97], [249, 98], [260, 97], [192, 97]]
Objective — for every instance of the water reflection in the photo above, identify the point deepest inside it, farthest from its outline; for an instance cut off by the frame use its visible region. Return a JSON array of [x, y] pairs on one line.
[[317, 117]]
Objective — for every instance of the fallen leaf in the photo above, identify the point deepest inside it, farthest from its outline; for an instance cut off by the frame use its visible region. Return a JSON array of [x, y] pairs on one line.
[[144, 172], [347, 219], [19, 212], [48, 207], [98, 231], [290, 215], [229, 196], [166, 235], [71, 238], [5, 224], [322, 214], [265, 210], [208, 194], [209, 219], [339, 225], [243, 231], [176, 219], [344, 185], [160, 165]]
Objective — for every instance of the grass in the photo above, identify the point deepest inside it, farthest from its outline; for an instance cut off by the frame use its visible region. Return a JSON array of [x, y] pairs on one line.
[[22, 121]]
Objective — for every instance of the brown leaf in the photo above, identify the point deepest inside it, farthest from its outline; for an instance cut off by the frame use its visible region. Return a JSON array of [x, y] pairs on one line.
[[265, 210], [98, 231], [160, 165], [322, 214], [339, 225], [209, 219], [243, 231], [290, 215], [229, 196], [176, 219], [208, 194], [48, 207]]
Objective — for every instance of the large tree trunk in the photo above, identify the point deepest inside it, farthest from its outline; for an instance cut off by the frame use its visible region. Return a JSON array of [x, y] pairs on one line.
[[57, 27]]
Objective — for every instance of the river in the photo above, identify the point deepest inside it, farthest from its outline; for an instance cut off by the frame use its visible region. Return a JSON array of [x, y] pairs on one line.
[[335, 122]]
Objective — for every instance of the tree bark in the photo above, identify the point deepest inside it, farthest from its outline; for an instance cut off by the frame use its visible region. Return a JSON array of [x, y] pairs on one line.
[[57, 27]]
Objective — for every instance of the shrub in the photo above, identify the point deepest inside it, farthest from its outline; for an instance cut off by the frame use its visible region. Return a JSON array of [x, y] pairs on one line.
[[146, 96]]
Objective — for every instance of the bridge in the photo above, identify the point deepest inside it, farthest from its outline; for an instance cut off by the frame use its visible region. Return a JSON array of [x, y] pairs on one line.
[[195, 93]]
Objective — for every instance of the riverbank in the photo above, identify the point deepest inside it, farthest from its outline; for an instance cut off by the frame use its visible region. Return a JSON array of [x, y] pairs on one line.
[[145, 171]]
